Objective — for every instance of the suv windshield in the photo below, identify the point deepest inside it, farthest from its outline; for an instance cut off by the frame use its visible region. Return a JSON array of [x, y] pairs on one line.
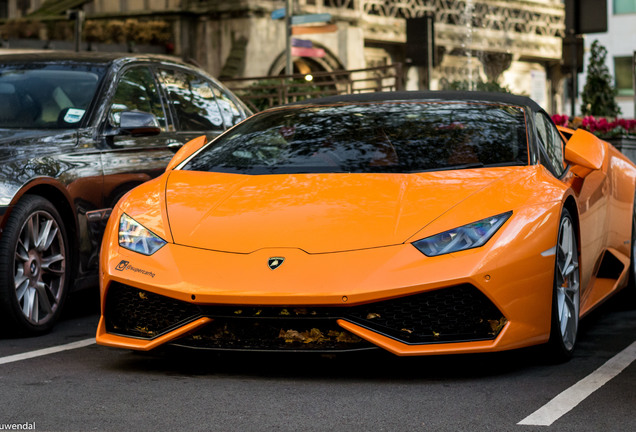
[[399, 137], [46, 96]]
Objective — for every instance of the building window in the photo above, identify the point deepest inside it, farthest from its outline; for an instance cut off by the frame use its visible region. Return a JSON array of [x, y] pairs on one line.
[[624, 7], [4, 9], [623, 73]]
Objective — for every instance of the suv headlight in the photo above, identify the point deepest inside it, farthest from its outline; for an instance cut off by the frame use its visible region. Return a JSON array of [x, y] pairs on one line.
[[137, 238], [469, 236]]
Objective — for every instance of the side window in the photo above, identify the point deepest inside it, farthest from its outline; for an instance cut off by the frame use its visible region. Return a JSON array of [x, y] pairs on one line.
[[229, 110], [551, 142], [193, 100], [137, 90]]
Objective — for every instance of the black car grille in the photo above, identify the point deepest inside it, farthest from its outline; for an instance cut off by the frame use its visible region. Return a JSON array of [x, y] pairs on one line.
[[459, 313], [133, 312]]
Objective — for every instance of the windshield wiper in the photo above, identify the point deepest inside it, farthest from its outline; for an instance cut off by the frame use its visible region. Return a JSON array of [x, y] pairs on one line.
[[449, 168], [468, 166]]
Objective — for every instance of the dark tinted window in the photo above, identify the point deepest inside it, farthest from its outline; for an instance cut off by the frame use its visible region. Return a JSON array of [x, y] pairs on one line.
[[374, 137], [193, 100], [137, 91], [44, 96], [623, 75]]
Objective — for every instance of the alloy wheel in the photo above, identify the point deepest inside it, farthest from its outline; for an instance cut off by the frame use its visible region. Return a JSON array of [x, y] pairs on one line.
[[567, 284], [39, 267]]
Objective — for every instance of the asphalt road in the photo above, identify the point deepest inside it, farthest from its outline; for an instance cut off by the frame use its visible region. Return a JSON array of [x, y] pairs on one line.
[[94, 388]]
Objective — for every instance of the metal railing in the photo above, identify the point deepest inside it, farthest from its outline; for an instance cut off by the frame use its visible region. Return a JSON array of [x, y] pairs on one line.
[[267, 91]]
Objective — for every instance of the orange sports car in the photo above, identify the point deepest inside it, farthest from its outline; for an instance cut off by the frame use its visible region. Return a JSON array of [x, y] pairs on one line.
[[416, 222]]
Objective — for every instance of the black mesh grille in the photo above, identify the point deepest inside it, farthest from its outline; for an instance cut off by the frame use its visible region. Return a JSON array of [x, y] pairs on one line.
[[460, 313], [133, 312]]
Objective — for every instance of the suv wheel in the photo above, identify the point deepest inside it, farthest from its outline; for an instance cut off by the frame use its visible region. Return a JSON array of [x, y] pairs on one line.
[[34, 267]]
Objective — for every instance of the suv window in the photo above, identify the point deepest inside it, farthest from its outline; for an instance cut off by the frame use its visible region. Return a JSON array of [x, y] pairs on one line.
[[193, 101], [551, 143], [137, 90], [229, 110], [43, 96]]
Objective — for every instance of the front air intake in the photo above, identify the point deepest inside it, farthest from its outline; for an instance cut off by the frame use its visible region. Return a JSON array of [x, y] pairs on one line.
[[454, 314], [137, 313]]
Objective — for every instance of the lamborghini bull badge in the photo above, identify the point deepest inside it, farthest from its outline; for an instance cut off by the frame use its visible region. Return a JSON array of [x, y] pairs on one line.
[[274, 262]]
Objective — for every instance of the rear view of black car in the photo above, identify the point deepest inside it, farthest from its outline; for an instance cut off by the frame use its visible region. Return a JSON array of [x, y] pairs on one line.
[[77, 131]]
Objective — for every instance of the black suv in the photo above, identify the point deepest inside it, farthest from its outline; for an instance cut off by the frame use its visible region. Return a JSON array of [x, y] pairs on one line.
[[77, 131]]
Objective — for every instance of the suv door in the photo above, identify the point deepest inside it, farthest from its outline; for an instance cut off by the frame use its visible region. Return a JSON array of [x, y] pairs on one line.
[[130, 160], [126, 160]]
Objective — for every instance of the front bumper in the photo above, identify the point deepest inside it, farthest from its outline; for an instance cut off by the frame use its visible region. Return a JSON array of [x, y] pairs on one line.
[[457, 314], [488, 299]]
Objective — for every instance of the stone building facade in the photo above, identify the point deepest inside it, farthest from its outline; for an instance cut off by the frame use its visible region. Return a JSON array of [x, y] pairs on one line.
[[516, 43]]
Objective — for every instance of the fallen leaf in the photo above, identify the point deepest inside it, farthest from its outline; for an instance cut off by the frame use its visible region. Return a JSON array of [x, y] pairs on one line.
[[314, 335], [291, 336], [497, 325], [346, 337]]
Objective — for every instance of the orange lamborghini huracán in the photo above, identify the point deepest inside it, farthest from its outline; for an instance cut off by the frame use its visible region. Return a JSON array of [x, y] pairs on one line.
[[416, 222]]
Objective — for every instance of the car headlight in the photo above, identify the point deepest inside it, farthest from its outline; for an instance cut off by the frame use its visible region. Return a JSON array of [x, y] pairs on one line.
[[133, 236], [469, 236]]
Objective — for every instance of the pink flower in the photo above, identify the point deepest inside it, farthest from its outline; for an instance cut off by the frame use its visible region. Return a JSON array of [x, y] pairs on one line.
[[560, 120], [600, 126], [589, 123], [603, 125]]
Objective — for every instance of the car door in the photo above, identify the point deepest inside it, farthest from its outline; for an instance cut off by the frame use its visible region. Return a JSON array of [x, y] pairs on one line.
[[130, 160], [126, 160]]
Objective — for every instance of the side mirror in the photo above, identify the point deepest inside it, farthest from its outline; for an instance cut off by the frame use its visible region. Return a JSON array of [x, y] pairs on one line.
[[184, 152], [138, 123], [585, 152]]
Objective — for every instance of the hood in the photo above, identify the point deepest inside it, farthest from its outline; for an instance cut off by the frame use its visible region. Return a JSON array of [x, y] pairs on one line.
[[318, 213], [17, 144]]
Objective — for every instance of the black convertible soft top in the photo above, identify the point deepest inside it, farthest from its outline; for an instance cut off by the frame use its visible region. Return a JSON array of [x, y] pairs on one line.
[[446, 95]]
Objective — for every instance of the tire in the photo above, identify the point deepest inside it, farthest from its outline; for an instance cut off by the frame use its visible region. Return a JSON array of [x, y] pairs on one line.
[[34, 267], [565, 293]]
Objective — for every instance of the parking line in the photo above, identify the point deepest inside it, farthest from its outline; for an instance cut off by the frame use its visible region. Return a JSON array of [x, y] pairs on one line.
[[567, 400], [46, 351]]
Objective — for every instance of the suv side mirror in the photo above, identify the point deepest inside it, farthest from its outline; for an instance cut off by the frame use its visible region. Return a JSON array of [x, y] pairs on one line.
[[184, 152], [138, 123], [585, 152]]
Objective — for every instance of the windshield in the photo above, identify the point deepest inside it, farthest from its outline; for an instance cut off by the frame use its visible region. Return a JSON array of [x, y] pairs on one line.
[[398, 137], [46, 96]]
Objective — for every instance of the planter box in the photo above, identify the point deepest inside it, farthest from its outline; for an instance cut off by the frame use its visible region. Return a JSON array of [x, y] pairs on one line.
[[626, 145]]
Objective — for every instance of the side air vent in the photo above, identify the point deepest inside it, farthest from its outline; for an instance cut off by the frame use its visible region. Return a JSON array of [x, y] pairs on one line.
[[611, 267]]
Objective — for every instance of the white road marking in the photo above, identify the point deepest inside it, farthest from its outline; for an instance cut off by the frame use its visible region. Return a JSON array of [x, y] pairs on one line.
[[46, 351], [567, 400]]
